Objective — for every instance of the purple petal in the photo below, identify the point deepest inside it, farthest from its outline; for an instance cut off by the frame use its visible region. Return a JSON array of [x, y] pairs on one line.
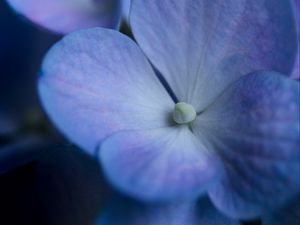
[[289, 214], [254, 126], [96, 82], [129, 212], [201, 47], [161, 164], [65, 16]]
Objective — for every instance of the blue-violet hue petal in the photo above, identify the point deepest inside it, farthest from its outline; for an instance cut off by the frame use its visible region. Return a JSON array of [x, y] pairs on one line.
[[95, 82], [64, 16], [254, 126], [201, 47], [162, 164]]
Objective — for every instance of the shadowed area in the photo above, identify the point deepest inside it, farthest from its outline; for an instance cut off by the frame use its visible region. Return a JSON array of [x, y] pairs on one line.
[[62, 187]]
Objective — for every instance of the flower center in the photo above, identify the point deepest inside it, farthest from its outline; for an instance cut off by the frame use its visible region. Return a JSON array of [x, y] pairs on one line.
[[184, 113]]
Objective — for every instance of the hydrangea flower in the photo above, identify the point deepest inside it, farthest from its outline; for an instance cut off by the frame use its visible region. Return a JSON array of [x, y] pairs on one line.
[[211, 118], [65, 16], [124, 211]]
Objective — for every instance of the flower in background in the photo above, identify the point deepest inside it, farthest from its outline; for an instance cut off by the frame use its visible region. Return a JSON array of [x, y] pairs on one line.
[[64, 16], [215, 119]]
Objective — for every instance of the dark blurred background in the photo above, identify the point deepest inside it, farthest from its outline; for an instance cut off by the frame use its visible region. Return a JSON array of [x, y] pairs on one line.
[[22, 47]]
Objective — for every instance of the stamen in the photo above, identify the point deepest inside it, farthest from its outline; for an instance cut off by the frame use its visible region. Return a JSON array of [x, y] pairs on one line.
[[184, 113]]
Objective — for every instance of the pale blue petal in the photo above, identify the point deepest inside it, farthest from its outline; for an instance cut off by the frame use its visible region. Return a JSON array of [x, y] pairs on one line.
[[201, 47], [160, 164], [95, 82], [254, 126], [287, 215], [129, 212], [65, 16]]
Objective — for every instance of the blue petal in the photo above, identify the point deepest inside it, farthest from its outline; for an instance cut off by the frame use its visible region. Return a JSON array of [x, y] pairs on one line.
[[254, 126], [128, 212], [65, 16], [159, 165], [96, 82], [62, 187], [126, 8], [289, 214], [201, 47]]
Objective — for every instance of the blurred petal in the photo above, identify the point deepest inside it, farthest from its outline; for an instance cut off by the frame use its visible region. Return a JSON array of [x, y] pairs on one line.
[[20, 152], [254, 126], [201, 47], [289, 214], [96, 82], [62, 187], [129, 212], [161, 164], [64, 16]]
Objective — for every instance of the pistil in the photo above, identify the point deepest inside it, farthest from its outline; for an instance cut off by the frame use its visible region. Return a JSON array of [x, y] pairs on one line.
[[184, 113]]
